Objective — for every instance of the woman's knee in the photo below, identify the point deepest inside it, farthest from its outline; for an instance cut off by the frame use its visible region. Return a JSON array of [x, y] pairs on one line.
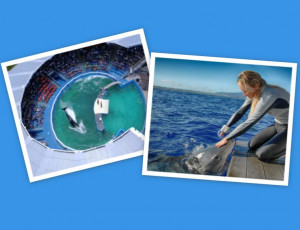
[[266, 153], [253, 144], [263, 154], [262, 137]]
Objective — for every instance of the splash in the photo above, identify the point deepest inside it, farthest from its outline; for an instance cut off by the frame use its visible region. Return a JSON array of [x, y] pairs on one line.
[[80, 129], [87, 79], [190, 148], [197, 149], [86, 83]]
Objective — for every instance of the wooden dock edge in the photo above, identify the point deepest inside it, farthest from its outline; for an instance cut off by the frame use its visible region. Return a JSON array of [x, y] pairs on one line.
[[245, 164]]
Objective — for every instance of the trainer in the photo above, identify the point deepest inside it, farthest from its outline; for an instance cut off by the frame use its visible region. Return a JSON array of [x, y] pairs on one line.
[[261, 98]]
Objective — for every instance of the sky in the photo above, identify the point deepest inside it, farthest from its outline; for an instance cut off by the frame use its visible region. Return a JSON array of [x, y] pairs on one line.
[[207, 76]]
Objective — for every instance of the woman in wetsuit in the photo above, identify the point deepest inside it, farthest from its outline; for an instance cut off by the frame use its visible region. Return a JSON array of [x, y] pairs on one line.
[[270, 143]]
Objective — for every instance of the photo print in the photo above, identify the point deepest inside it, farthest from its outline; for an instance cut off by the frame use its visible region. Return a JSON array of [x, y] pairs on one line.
[[219, 119], [80, 106]]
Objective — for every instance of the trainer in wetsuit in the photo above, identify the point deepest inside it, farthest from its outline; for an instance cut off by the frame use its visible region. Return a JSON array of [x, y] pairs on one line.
[[270, 143]]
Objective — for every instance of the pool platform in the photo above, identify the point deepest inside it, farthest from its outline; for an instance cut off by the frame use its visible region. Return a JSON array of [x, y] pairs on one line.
[[245, 164], [101, 105]]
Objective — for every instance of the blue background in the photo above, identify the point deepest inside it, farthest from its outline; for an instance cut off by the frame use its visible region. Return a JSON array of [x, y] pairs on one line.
[[117, 195]]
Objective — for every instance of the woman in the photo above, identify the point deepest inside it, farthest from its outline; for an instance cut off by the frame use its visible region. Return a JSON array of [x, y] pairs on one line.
[[270, 143]]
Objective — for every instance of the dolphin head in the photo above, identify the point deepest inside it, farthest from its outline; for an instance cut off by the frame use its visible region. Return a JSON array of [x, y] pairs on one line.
[[210, 160]]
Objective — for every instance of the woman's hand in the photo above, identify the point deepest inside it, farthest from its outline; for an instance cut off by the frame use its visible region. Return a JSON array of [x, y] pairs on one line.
[[222, 134], [221, 143]]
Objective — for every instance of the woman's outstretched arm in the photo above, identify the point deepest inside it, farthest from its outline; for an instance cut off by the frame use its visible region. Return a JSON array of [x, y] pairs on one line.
[[236, 116]]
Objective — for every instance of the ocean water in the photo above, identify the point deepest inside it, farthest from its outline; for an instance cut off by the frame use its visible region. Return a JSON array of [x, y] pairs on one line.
[[184, 123], [126, 110]]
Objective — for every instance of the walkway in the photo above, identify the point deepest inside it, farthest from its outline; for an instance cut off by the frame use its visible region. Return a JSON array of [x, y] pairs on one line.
[[111, 84]]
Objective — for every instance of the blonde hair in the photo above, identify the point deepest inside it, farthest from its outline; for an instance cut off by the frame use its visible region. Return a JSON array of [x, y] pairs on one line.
[[252, 79]]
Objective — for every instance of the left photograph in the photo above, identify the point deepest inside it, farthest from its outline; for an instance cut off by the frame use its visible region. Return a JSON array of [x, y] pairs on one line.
[[81, 106]]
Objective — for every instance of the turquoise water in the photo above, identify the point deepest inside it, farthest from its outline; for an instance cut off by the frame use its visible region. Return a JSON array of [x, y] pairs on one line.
[[126, 110]]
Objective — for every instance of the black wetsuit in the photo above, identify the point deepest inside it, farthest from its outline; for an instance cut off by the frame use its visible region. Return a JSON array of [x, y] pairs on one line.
[[270, 143]]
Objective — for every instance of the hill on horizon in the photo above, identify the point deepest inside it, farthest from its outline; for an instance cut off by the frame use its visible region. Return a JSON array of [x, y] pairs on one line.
[[238, 95]]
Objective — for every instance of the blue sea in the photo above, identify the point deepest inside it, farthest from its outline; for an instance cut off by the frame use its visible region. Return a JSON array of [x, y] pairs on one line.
[[185, 122]]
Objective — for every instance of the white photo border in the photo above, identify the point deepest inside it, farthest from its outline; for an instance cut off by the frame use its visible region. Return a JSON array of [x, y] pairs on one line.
[[4, 65], [224, 60]]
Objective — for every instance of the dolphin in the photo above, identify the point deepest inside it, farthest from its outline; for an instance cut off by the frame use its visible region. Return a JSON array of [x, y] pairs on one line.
[[209, 161], [71, 117]]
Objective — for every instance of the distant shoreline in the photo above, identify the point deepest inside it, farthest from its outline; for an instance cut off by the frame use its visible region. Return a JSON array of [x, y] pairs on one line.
[[219, 94]]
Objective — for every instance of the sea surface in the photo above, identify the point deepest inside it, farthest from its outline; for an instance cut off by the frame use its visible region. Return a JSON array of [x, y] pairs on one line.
[[183, 123]]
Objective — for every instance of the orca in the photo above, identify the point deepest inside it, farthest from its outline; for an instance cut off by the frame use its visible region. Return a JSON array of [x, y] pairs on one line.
[[71, 117], [209, 161]]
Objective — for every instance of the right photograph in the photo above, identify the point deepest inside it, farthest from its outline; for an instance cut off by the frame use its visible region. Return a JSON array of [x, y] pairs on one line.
[[219, 119]]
